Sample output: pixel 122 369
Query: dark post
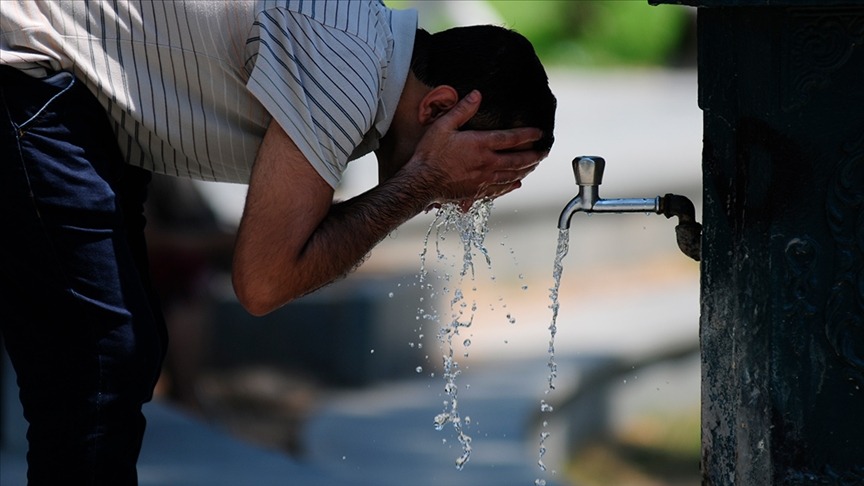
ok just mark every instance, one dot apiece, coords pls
pixel 781 85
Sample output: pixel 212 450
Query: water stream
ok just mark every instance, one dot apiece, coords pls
pixel 557 269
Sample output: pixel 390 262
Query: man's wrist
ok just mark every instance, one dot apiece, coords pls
pixel 421 184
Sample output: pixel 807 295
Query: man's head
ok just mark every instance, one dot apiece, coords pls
pixel 447 65
pixel 499 63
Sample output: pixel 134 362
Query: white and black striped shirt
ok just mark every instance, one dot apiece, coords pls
pixel 191 85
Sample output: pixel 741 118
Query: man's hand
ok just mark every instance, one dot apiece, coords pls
pixel 463 166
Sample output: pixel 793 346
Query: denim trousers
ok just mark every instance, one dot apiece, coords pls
pixel 77 312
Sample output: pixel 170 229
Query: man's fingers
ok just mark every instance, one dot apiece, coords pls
pixel 514 139
pixel 517 161
pixel 498 140
pixel 462 111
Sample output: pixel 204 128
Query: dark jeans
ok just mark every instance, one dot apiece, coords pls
pixel 77 311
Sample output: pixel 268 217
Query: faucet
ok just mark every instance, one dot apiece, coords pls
pixel 589 174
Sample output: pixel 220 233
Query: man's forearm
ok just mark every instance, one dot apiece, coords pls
pixel 353 227
pixel 279 258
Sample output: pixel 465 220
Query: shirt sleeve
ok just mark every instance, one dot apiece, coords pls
pixel 319 82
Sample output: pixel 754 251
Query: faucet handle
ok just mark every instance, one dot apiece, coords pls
pixel 588 170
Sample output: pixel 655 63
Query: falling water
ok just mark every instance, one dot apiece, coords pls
pixel 471 226
pixel 557 270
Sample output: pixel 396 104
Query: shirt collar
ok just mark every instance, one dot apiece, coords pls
pixel 403 24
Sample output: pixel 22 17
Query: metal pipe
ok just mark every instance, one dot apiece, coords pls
pixel 589 175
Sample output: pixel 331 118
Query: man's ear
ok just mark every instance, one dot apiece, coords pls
pixel 438 101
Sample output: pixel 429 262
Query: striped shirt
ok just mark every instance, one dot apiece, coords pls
pixel 191 86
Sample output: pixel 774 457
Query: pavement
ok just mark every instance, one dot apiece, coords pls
pixel 626 294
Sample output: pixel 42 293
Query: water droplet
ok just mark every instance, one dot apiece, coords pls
pixel 539 482
pixel 462 460
pixel 545 407
pixel 440 420
pixel 466 343
pixel 371 351
pixel 419 369
pixel 524 287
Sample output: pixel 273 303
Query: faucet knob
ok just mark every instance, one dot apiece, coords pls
pixel 588 170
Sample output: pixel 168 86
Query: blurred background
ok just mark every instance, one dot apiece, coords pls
pixel 349 380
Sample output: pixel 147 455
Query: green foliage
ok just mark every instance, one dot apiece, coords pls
pixel 632 32
pixel 590 32
pixel 598 32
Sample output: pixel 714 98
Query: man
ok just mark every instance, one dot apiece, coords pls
pixel 276 94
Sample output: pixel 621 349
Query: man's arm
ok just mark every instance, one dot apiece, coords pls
pixel 292 238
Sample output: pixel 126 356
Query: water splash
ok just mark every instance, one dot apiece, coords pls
pixel 472 227
pixel 543 437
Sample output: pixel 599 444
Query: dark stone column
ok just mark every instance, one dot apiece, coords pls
pixel 781 85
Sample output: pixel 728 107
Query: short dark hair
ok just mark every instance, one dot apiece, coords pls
pixel 498 62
